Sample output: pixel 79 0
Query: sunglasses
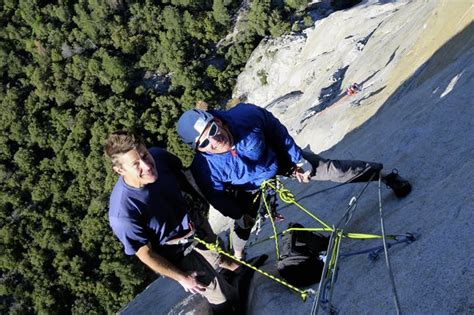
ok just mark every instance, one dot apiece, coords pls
pixel 213 130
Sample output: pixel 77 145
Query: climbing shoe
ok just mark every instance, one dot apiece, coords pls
pixel 400 186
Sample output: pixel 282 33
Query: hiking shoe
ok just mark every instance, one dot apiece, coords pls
pixel 400 186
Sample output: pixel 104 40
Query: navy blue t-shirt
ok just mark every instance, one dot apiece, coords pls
pixel 154 213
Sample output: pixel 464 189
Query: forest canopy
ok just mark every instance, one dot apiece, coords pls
pixel 72 72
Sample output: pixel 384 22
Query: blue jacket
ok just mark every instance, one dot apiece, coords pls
pixel 263 149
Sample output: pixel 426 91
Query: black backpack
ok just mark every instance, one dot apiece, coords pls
pixel 299 262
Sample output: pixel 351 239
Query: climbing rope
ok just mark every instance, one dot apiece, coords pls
pixel 324 286
pixel 387 260
pixel 215 247
pixel 287 197
pixel 275 233
pixel 350 180
pixel 325 272
pixel 353 205
pixel 326 289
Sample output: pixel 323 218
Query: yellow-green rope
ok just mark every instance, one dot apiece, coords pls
pixel 287 197
pixel 303 293
pixel 275 233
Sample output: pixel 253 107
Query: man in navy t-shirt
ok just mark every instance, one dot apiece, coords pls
pixel 150 216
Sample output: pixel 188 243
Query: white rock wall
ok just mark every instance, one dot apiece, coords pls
pixel 307 73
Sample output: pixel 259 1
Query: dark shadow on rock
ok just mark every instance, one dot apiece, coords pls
pixel 368 96
pixel 282 103
pixel 368 78
pixel 329 95
pixel 392 56
pixel 365 40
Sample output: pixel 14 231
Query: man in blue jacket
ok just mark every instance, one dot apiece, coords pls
pixel 151 215
pixel 237 149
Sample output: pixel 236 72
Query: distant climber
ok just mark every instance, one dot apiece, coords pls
pixel 154 212
pixel 237 149
pixel 353 89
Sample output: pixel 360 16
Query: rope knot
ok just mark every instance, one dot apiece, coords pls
pixel 286 195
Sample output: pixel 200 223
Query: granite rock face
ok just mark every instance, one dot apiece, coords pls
pixel 305 74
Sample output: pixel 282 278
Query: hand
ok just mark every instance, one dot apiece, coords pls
pixel 191 284
pixel 301 175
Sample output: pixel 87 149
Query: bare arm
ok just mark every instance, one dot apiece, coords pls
pixel 161 265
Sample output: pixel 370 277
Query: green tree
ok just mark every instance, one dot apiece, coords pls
pixel 219 12
pixel 296 4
